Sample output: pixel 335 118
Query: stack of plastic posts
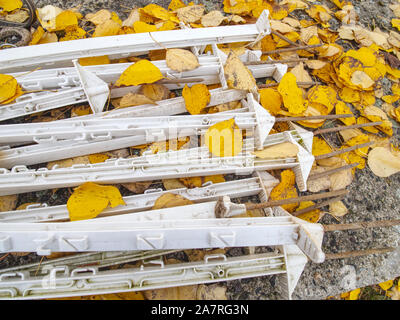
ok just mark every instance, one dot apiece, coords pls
pixel 134 232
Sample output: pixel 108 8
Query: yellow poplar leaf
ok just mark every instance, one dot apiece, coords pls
pixel 10 5
pixel 315 64
pixel 140 27
pixel 107 28
pixel 134 99
pixel 65 19
pixel 8 87
pixel 37 35
pixel 342 179
pixel 90 199
pixel 134 16
pixel 362 120
pixel 155 91
pixel 396 23
pixel 323 95
pixel 286 190
pixel 342 108
pixel 73 33
pixel 175 5
pixel 169 200
pixel 98 157
pixel 363 138
pixel 78 111
pixel 18 15
pixel 237 75
pixel 281 27
pixel 280 43
pixel 320 146
pixel 181 60
pixel 212 19
pixel 316 185
pixel 48 37
pixel 224 139
pixel 278 151
pixel 47 16
pixel 167 25
pixel 312 216
pixel 190 14
pixel 354 294
pixel 216 178
pixel 192 182
pixel 382 162
pixel 8 203
pixel 292 95
pixel 390 98
pixel 92 61
pixel 156 11
pixel 196 98
pixel 386 285
pixel 140 72
pixel 301 74
pixel 115 18
pixel 271 100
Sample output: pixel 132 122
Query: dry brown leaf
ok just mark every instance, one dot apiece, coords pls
pixel 238 76
pixel 155 91
pixel 99 17
pixel 134 16
pixel 68 162
pixel 212 19
pixel 317 185
pixel 169 200
pixel 315 64
pixel 342 179
pixel 211 292
pixel 181 60
pixel 278 151
pixel 382 162
pixel 170 184
pixel 337 209
pixel 137 187
pixel 190 14
pixel 301 74
pixel 281 27
pixel 8 203
pixel 134 99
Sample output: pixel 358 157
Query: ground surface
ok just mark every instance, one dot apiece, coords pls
pixel 371 198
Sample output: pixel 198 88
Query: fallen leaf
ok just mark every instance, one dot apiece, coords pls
pixel 271 100
pixel 10 5
pixel 196 98
pixel 98 157
pixel 99 17
pixel 286 190
pixel 301 74
pixel 140 72
pixel 140 27
pixel 382 162
pixel 107 28
pixel 292 95
pixel 211 292
pixel 92 61
pixel 19 16
pixel 170 184
pixel 320 146
pixel 66 163
pixel 278 151
pixel 224 139
pixel 237 75
pixel 90 199
pixel 190 14
pixel 155 91
pixel 337 209
pixel 8 87
pixel 317 185
pixel 181 60
pixel 386 285
pixel 313 216
pixel 172 293
pixel 137 187
pixel 134 99
pixel 212 19
pixel 169 200
pixel 8 203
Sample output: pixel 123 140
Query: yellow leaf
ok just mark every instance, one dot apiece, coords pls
pixel 386 285
pixel 278 151
pixel 115 18
pixel 169 200
pixel 292 95
pixel 342 108
pixel 99 17
pixel 47 16
pixel 90 199
pixel 382 162
pixel 362 120
pixel 82 110
pixel 361 79
pixel 354 294
pixel 8 87
pixel 224 139
pixel 167 25
pixel 286 190
pixel 237 75
pixel 175 5
pixel 312 216
pixel 271 100
pixel 156 11
pixel 37 35
pixel 192 182
pixel 65 19
pixel 107 28
pixel 98 157
pixel 140 72
pixel 216 178
pixel 73 33
pixel 196 98
pixel 10 5
pixel 140 27
pixel 322 95
pixel 396 23
pixel 170 184
pixel 320 146
pixel 92 61
pixel 301 74
pixel 181 60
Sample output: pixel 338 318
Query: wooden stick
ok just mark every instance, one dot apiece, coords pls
pixel 276 203
pixel 335 153
pixel 354 126
pixel 317 206
pixel 357 253
pixel 183 80
pixel 332 171
pixel 361 225
pixel 252 63
pixel 299 83
pixel 293 49
pixel 321 117
pixel 278 34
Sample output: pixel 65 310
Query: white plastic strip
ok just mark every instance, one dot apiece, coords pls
pixel 63 282
pixel 140 202
pixel 124 234
pixel 61 54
